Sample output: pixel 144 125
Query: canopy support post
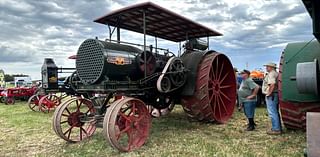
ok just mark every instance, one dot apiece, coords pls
pixel 156 43
pixel 144 44
pixel 179 53
pixel 118 34
pixel 118 29
pixel 187 36
pixel 111 32
pixel 208 42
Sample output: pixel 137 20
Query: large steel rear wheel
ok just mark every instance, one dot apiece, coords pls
pixel 215 93
pixel 127 124
pixel 74 120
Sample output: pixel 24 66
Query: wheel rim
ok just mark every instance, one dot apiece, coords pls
pixel 127 124
pixel 33 102
pixel 74 120
pixel 48 102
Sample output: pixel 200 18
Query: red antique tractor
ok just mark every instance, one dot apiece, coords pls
pixel 116 82
pixel 8 96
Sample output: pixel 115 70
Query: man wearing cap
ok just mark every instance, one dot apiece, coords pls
pixel 247 95
pixel 270 89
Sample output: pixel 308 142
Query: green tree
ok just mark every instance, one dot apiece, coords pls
pixel 8 77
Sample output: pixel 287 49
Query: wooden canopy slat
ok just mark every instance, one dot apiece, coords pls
pixel 160 22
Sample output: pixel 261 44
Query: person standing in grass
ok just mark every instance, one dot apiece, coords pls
pixel 239 79
pixel 247 94
pixel 270 89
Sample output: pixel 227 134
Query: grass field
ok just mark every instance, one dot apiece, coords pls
pixel 27 133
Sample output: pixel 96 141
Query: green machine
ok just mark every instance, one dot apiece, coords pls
pixel 299 75
pixel 299 90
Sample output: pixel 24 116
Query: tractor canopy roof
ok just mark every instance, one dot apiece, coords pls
pixel 159 22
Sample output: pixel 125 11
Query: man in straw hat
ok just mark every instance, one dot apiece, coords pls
pixel 270 89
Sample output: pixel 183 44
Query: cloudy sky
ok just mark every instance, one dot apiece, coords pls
pixel 255 31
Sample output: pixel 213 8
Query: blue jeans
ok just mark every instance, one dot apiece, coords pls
pixel 249 108
pixel 272 102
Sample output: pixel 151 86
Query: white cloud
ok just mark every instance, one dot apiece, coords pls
pixel 254 31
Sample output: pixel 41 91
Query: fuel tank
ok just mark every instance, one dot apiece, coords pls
pixel 100 60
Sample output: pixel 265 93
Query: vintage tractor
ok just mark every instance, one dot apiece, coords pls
pixel 9 95
pixel 299 76
pixel 299 83
pixel 52 89
pixel 117 81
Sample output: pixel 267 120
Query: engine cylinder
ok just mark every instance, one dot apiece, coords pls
pixel 99 60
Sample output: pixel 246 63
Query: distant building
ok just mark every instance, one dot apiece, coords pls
pixel 22 81
pixel 2 82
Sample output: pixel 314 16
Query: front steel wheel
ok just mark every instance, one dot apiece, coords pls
pixel 127 124
pixel 74 120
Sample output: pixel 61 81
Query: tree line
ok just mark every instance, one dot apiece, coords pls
pixel 8 77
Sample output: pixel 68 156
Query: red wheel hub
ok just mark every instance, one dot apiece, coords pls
pixel 74 119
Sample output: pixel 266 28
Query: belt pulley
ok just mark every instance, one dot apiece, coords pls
pixel 173 76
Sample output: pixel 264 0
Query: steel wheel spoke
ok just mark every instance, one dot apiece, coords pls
pixel 224 95
pixel 225 86
pixel 63 122
pixel 218 103
pixel 133 108
pixel 221 70
pixel 78 106
pixel 66 115
pixel 211 97
pixel 124 110
pixel 130 140
pixel 224 77
pixel 214 104
pixel 83 130
pixel 68 131
pixel 217 65
pixel 122 131
pixel 224 106
pixel 88 111
pixel 213 77
pixel 124 116
pixel 80 134
pixel 140 118
pixel 68 111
